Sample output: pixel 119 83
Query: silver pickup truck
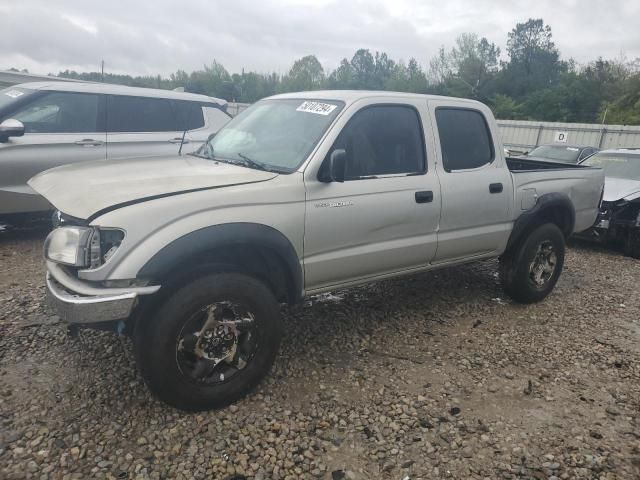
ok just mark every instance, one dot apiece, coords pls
pixel 302 193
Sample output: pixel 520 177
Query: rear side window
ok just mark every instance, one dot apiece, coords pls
pixel 383 140
pixel 189 115
pixel 464 138
pixel 139 114
pixel 60 112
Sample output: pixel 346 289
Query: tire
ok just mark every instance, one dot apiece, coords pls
pixel 632 243
pixel 167 365
pixel 518 280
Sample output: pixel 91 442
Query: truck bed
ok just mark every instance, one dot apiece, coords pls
pixel 534 178
pixel 523 164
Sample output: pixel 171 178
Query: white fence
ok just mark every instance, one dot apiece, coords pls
pixel 524 135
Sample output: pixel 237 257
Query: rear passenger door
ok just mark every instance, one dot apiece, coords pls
pixel 142 127
pixel 475 182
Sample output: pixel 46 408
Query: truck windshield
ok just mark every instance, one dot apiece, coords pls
pixel 556 153
pixel 11 95
pixel 275 135
pixel 616 165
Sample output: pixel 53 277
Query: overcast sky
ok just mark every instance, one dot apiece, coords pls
pixel 162 36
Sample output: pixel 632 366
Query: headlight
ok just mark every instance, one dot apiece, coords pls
pixel 68 245
pixel 82 246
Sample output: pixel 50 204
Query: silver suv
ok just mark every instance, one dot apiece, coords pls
pixel 43 125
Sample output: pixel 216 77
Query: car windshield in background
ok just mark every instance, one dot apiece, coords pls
pixel 616 165
pixel 556 153
pixel 11 95
pixel 275 135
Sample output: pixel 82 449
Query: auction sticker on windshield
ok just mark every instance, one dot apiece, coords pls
pixel 14 93
pixel 316 107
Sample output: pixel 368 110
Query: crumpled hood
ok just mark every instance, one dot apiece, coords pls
pixel 82 190
pixel 619 188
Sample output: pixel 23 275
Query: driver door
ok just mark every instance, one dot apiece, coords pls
pixel 384 217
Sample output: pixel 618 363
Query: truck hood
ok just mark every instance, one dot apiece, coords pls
pixel 82 190
pixel 618 188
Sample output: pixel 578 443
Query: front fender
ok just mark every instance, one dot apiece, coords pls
pixel 216 237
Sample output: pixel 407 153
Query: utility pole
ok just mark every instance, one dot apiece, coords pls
pixel 102 72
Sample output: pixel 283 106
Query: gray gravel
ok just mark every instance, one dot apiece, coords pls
pixel 433 376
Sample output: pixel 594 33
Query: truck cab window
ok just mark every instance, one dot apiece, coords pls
pixel 464 139
pixel 383 140
pixel 58 112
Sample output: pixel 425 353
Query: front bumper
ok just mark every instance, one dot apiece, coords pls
pixel 86 304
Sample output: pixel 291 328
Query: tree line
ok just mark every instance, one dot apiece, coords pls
pixel 533 83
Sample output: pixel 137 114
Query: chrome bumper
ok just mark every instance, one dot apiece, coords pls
pixel 90 305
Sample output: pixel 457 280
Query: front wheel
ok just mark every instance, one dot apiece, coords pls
pixel 531 269
pixel 210 343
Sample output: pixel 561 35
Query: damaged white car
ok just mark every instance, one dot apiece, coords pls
pixel 619 217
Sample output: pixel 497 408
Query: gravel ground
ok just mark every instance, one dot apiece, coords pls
pixel 432 376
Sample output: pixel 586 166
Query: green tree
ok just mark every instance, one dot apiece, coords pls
pixel 383 70
pixel 474 61
pixel 533 84
pixel 342 77
pixel 534 61
pixel 407 78
pixel 364 69
pixel 625 110
pixel 504 107
pixel 440 67
pixel 305 74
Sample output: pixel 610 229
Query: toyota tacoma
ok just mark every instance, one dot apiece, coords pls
pixel 301 193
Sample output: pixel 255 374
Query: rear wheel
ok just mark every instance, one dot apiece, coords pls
pixel 632 243
pixel 530 270
pixel 210 343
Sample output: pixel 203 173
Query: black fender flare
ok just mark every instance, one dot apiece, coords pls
pixel 554 204
pixel 227 235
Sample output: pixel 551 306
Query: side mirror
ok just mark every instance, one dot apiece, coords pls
pixel 11 128
pixel 334 169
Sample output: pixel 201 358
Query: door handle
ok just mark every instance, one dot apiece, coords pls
pixel 179 140
pixel 495 188
pixel 89 142
pixel 425 196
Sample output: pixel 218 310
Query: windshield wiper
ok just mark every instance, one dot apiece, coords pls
pixel 250 162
